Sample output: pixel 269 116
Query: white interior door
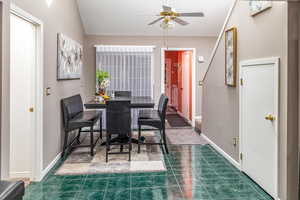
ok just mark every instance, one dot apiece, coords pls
pixel 186 65
pixel 23 61
pixel 259 119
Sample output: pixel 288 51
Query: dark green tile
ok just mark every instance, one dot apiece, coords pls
pixel 59 196
pixel 221 192
pixel 163 193
pixel 54 180
pixel 90 195
pixel 96 176
pixel 142 182
pixel 95 185
pixel 164 181
pixel 117 194
pixel 195 193
pixel 119 183
pixel 203 175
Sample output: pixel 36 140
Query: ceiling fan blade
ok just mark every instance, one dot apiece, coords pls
pixel 167 8
pixel 195 14
pixel 180 21
pixel 155 21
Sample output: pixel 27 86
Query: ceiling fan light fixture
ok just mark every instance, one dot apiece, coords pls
pixel 49 2
pixel 167 25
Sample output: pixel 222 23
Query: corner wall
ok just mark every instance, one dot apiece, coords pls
pixel 264 35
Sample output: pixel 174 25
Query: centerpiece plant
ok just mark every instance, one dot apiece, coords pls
pixel 103 82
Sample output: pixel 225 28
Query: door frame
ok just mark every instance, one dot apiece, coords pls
pixel 37 136
pixel 162 80
pixel 262 61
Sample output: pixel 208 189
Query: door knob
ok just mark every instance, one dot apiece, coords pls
pixel 31 109
pixel 270 117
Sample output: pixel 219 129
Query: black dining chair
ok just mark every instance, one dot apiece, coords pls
pixel 122 93
pixel 74 118
pixel 156 119
pixel 118 123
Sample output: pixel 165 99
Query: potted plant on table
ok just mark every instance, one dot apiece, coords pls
pixel 102 83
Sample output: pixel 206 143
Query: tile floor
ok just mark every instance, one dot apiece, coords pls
pixel 194 172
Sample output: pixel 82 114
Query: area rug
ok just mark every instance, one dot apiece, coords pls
pixel 80 162
pixel 175 120
pixel 184 136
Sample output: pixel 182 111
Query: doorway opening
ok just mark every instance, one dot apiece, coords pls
pixel 26 96
pixel 178 86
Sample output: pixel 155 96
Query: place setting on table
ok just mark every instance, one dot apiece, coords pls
pixel 127 144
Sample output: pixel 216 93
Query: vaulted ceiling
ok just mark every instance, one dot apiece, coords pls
pixel 130 17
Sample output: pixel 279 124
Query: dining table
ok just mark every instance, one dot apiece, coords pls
pixel 135 102
pixel 139 102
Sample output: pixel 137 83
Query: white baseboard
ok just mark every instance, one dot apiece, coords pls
pixel 198 117
pixel 26 174
pixel 217 148
pixel 50 166
pixel 187 120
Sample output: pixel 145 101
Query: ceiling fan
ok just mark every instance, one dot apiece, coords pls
pixel 169 14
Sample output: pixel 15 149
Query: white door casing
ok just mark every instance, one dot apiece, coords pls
pixel 186 58
pixel 168 82
pixel 258 131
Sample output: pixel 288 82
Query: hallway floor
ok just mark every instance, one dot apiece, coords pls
pixel 194 172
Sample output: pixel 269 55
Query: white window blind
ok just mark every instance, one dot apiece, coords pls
pixel 130 69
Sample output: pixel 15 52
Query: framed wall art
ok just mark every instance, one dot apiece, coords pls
pixel 69 58
pixel 230 57
pixel 257 7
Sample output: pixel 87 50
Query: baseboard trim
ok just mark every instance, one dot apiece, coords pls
pixel 217 148
pixel 185 119
pixel 50 166
pixel 25 174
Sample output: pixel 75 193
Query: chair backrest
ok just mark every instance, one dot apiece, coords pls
pixel 162 106
pixel 122 93
pixel 71 106
pixel 118 117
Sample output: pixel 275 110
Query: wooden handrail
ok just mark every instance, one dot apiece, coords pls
pixel 218 41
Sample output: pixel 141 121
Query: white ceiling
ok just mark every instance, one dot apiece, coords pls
pixel 130 17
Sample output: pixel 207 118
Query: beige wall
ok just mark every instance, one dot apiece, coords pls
pixel 203 45
pixel 60 17
pixel 258 37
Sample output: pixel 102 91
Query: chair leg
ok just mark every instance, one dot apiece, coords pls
pixel 129 159
pixel 165 140
pixel 139 140
pixel 130 145
pixel 92 140
pixel 100 127
pixel 78 136
pixel 107 145
pixel 65 143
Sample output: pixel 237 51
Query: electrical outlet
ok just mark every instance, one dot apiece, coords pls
pixel 235 141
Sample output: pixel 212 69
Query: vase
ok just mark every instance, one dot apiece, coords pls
pixel 101 91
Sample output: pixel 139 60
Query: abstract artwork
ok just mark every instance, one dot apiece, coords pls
pixel 69 57
pixel 230 57
pixel 257 7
